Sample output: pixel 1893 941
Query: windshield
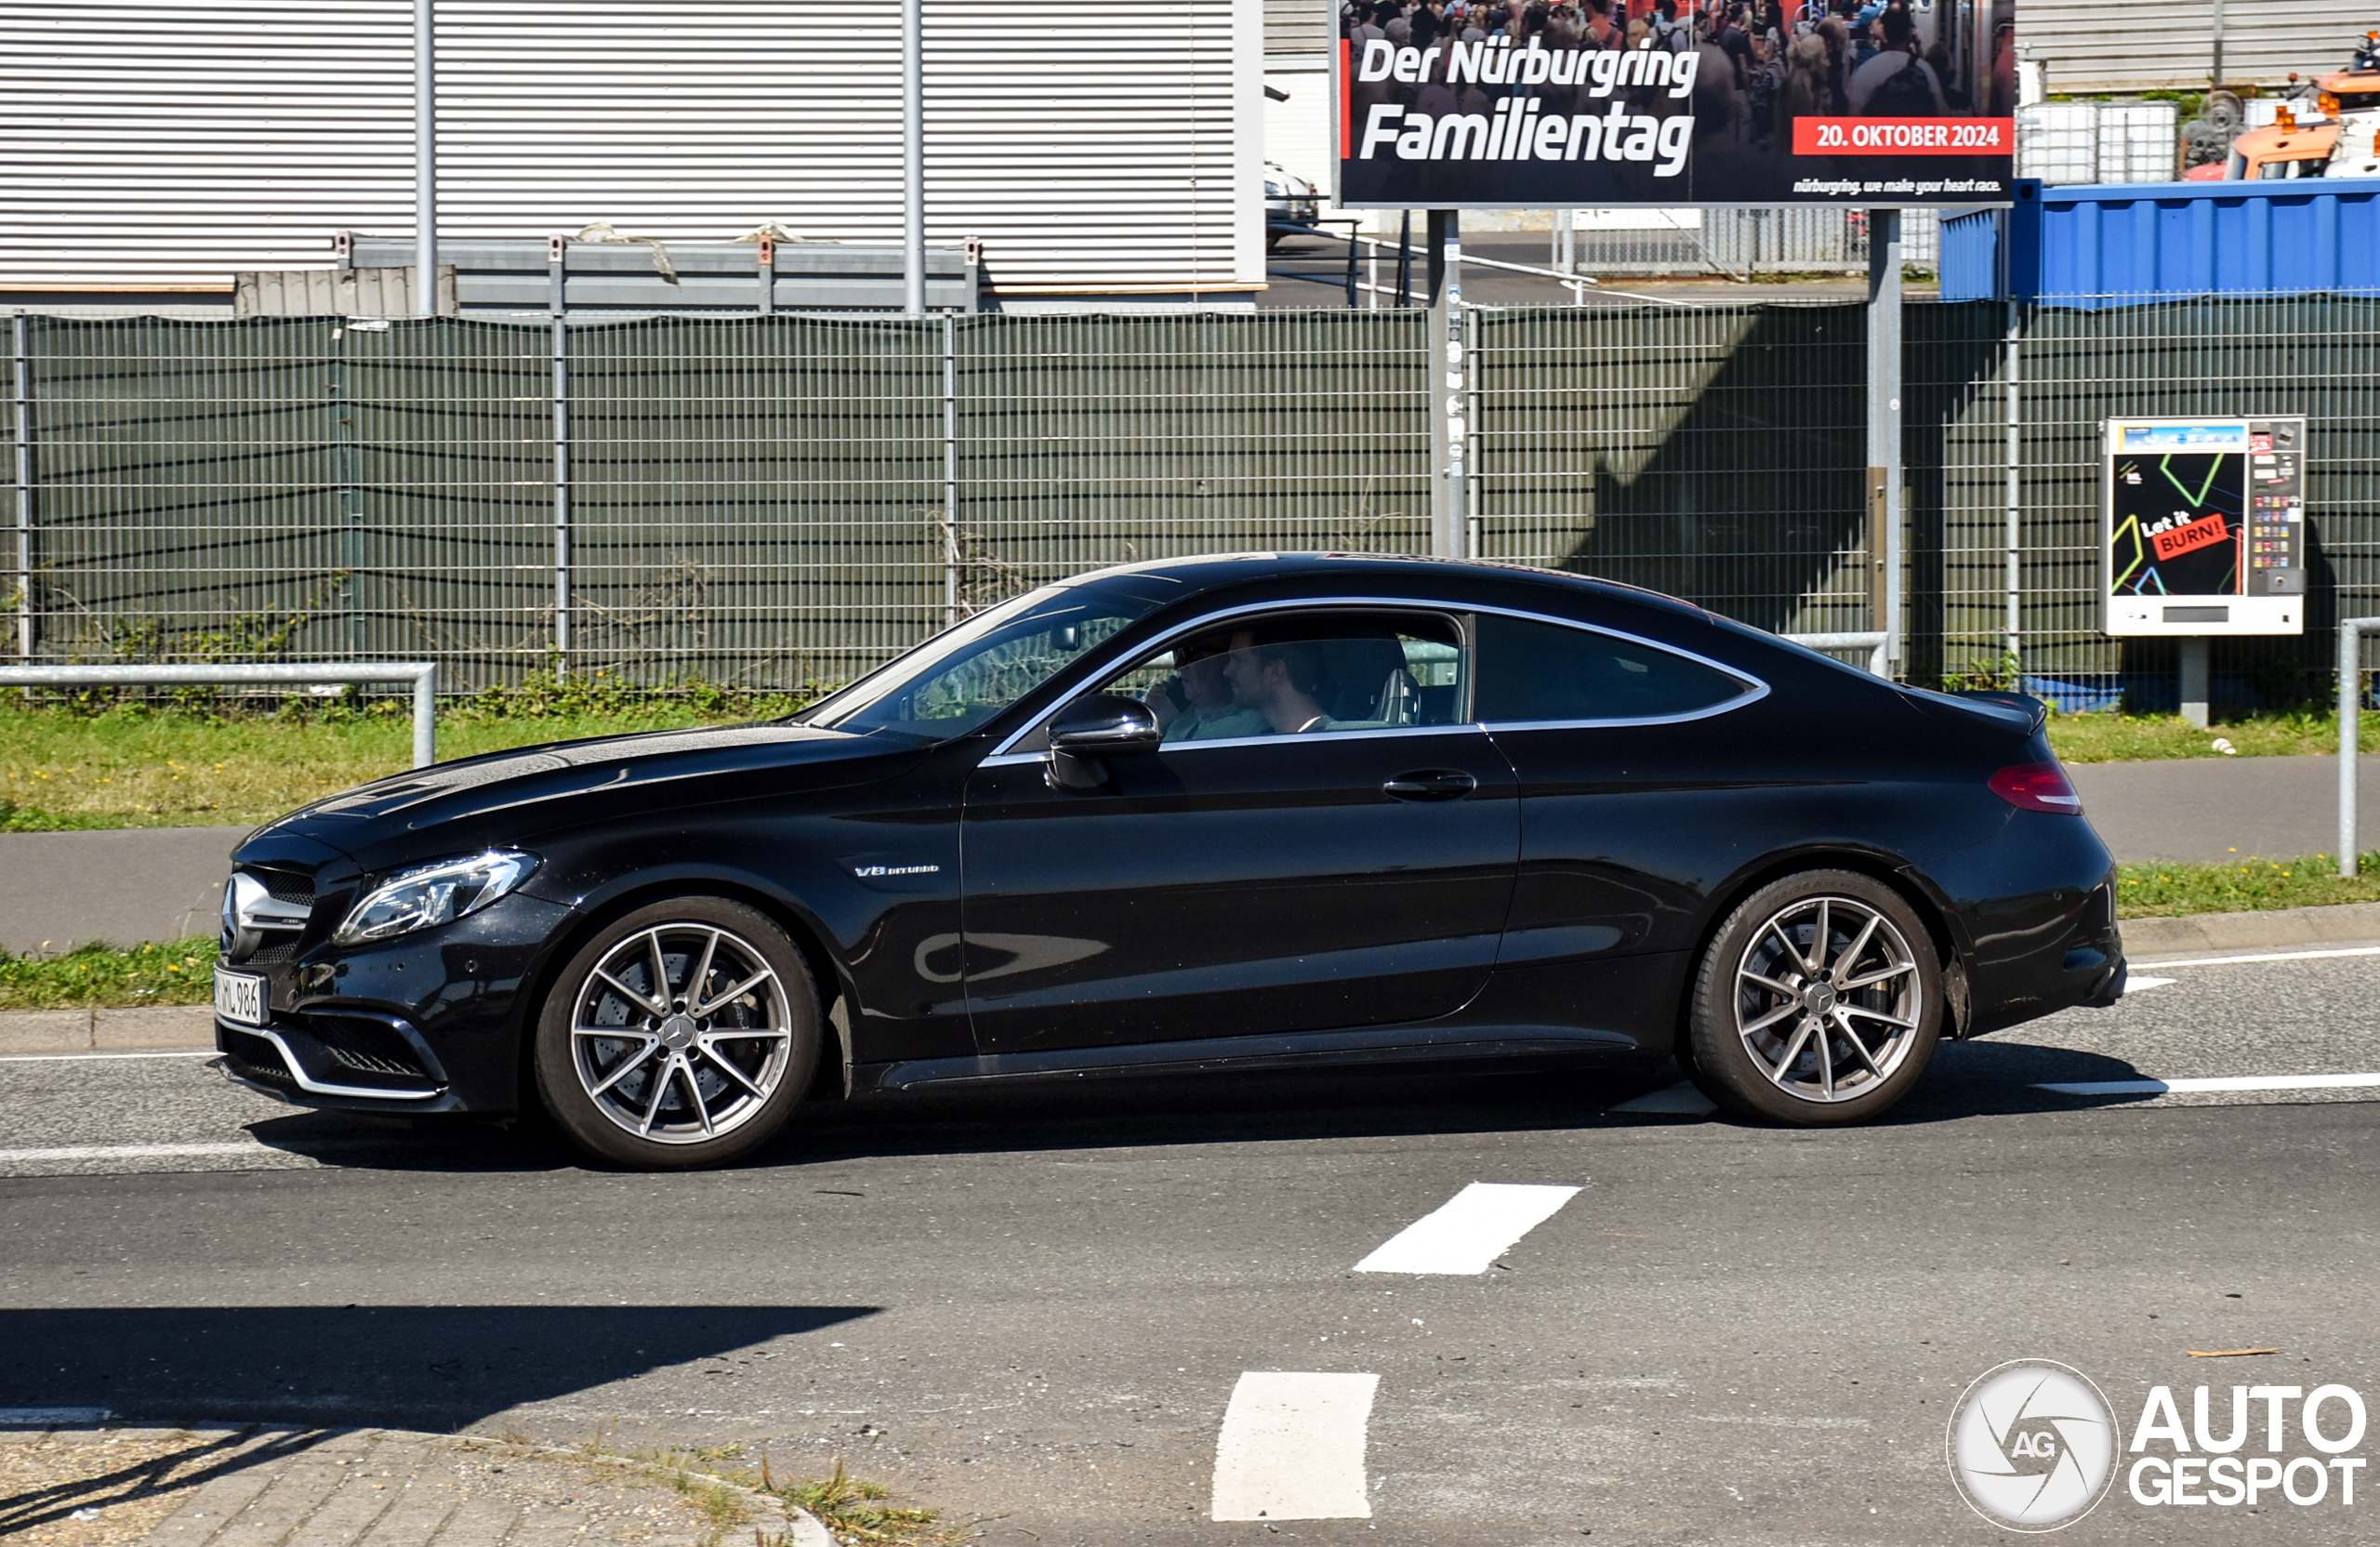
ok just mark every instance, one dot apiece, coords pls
pixel 958 681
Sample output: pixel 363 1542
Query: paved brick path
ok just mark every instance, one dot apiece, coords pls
pixel 356 1487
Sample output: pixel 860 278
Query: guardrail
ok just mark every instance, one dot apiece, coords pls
pixel 423 674
pixel 1874 643
pixel 2351 632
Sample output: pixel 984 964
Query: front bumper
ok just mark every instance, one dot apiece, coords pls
pixel 430 1021
pixel 345 1058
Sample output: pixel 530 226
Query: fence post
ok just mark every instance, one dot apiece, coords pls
pixel 950 557
pixel 2351 632
pixel 2015 535
pixel 350 492
pixel 1447 427
pixel 21 346
pixel 425 715
pixel 556 257
pixel 1884 423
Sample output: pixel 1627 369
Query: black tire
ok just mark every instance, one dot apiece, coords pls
pixel 707 1088
pixel 1753 1027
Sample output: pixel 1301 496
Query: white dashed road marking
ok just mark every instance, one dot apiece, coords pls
pixel 1292 1448
pixel 2134 985
pixel 2218 1083
pixel 2270 955
pixel 1470 1231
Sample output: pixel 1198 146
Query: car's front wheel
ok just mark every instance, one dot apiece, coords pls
pixel 1818 1003
pixel 680 1036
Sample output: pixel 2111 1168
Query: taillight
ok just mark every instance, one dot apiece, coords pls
pixel 2037 786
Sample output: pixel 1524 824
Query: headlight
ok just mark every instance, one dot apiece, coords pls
pixel 434 895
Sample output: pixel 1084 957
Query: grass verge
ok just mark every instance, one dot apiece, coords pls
pixel 2163 891
pixel 101 977
pixel 2146 737
pixel 202 761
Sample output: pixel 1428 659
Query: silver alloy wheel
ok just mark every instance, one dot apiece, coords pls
pixel 681 1033
pixel 1826 999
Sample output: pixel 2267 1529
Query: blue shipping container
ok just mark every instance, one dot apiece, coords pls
pixel 2127 243
pixel 1971 256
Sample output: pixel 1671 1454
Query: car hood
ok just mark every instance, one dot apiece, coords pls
pixel 677 767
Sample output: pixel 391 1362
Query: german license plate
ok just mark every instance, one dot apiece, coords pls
pixel 239 997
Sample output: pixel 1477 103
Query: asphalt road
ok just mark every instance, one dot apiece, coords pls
pixel 1034 1307
pixel 2211 808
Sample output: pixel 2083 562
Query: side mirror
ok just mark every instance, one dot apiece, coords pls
pixel 1094 728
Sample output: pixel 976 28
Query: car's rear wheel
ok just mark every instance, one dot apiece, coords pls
pixel 1818 1003
pixel 680 1035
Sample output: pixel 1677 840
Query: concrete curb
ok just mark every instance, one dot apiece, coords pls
pixel 174 1025
pixel 2340 924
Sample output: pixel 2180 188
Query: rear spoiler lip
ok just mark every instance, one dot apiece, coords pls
pixel 2033 707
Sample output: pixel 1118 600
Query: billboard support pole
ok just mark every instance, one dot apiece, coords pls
pixel 2194 675
pixel 425 160
pixel 913 158
pixel 1883 426
pixel 1444 279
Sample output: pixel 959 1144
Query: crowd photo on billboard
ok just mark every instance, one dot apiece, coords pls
pixel 1589 103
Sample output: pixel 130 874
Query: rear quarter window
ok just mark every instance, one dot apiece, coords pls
pixel 1529 670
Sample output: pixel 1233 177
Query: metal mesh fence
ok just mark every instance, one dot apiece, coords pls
pixel 1739 243
pixel 780 501
pixel 1714 453
pixel 2223 357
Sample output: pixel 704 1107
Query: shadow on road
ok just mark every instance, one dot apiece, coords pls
pixel 424 1366
pixel 1968 1079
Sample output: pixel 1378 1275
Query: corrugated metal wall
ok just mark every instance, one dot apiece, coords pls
pixel 1298 27
pixel 172 144
pixel 2139 44
pixel 179 144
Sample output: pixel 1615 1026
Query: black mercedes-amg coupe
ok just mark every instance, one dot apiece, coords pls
pixel 1258 811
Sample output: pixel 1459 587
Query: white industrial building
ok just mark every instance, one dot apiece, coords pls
pixel 1098 157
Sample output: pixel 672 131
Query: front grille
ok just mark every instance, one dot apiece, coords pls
pixel 287 887
pixel 278 947
pixel 366 1046
pixel 253 1058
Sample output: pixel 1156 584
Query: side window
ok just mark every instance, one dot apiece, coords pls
pixel 1303 673
pixel 1530 670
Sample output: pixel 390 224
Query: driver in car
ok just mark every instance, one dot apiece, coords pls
pixel 1195 703
pixel 1278 676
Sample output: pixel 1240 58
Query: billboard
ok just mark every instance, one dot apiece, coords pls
pixel 1499 106
pixel 2204 524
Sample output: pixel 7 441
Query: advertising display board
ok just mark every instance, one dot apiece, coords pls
pixel 2204 524
pixel 1492 106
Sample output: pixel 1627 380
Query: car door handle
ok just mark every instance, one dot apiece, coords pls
pixel 1434 784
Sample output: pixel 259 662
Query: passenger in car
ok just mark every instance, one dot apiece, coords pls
pixel 1195 703
pixel 1277 676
